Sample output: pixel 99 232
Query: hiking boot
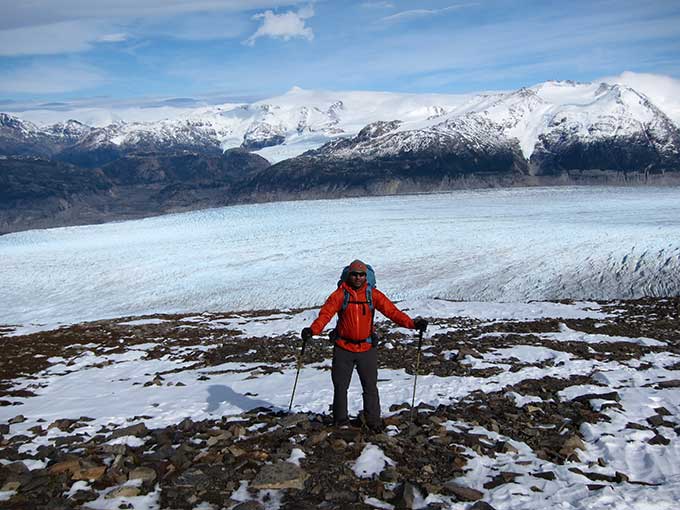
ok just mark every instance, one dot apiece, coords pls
pixel 375 428
pixel 341 424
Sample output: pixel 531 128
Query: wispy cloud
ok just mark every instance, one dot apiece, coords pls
pixel 284 26
pixel 113 38
pixel 530 42
pixel 422 13
pixel 51 79
pixel 53 39
pixel 377 5
pixel 188 47
pixel 70 26
pixel 31 13
pixel 196 27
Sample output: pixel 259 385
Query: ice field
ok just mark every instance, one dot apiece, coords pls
pixel 511 245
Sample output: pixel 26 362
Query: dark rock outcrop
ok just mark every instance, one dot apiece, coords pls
pixel 41 193
pixel 40 185
pixel 383 160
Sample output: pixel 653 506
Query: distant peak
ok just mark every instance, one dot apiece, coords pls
pixel 558 83
pixel 524 92
pixel 295 90
pixel 603 88
pixel 570 83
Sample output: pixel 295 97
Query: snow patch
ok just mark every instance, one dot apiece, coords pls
pixel 371 462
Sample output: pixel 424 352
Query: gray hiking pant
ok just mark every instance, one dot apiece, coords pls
pixel 341 373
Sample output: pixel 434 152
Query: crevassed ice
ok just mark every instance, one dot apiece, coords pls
pixel 485 245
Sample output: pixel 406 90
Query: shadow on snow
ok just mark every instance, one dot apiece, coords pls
pixel 219 394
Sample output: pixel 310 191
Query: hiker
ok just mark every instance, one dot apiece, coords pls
pixel 355 340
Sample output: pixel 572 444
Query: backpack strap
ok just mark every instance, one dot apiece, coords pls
pixel 369 297
pixel 345 301
pixel 369 300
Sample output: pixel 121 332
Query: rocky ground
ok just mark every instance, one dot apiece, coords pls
pixel 520 444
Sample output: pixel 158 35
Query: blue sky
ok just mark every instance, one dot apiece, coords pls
pixel 214 50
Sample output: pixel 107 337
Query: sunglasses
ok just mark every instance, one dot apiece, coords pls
pixel 357 274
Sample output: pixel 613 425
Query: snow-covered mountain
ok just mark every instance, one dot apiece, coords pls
pixel 614 127
pixel 395 157
pixel 390 139
pixel 19 137
pixel 300 120
pixel 308 144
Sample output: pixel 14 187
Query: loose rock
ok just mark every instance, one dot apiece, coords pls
pixel 282 475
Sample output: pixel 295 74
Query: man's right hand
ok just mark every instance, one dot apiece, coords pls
pixel 420 324
pixel 306 334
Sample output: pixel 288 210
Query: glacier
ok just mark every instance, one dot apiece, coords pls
pixel 475 245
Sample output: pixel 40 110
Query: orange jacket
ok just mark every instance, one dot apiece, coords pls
pixel 356 323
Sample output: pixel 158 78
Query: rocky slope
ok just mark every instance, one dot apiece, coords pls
pixel 41 193
pixel 581 425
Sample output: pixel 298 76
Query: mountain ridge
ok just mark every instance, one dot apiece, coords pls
pixel 290 119
pixel 334 144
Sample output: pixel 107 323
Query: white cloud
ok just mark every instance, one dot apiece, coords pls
pixel 663 91
pixel 664 88
pixel 283 26
pixel 51 79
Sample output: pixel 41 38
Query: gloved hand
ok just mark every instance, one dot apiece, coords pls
pixel 420 324
pixel 306 334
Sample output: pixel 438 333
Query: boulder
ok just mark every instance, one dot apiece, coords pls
pixel 249 505
pixel 481 505
pixel 282 475
pixel 408 494
pixel 93 473
pixel 64 424
pixel 145 474
pixel 660 440
pixel 123 492
pixel 570 445
pixel 138 430
pixel 294 419
pixel 461 492
pixel 66 466
pixel 17 419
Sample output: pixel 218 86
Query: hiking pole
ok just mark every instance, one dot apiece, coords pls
pixel 299 366
pixel 415 379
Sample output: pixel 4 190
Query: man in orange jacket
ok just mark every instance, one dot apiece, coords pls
pixel 354 341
